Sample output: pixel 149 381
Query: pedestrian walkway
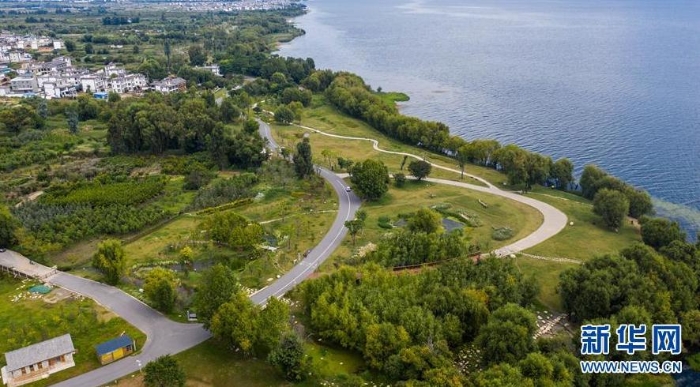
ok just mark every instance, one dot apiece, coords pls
pixel 20 266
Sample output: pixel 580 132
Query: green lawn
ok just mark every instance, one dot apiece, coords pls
pixel 324 117
pixel 28 321
pixel 298 219
pixel 211 365
pixel 587 237
pixel 358 150
pixel 547 275
pixel 499 213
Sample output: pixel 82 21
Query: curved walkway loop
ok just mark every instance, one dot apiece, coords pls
pixel 553 219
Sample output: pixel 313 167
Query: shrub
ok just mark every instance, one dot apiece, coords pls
pixel 502 233
pixel 385 222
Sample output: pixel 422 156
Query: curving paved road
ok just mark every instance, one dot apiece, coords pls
pixel 165 336
pixel 168 337
pixel 553 219
pixel 348 204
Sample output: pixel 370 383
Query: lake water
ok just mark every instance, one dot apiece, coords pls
pixel 610 82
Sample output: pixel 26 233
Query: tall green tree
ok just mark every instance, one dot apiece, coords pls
pixel 538 169
pixel 640 202
pixel 234 323
pixel 110 259
pixel 284 115
pixel 563 172
pixel 72 120
pixel 290 357
pixel 425 220
pixel 590 179
pixel 420 169
pixel 371 179
pixel 355 226
pixel 164 372
pixel 166 51
pixel 197 54
pixel 160 287
pixel 507 337
pixel 303 159
pixel 463 157
pixel 612 206
pixel 8 228
pixel 271 323
pixel 659 232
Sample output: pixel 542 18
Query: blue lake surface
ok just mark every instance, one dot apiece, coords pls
pixel 614 83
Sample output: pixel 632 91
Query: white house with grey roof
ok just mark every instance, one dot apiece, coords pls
pixel 38 361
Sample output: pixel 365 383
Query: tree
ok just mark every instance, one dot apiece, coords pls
pixel 354 227
pixel 537 168
pixel 537 367
pixel 612 206
pixel 425 220
pixel 297 108
pixel 371 179
pixel 8 228
pixel 399 179
pixel 160 288
pixel 166 51
pixel 110 260
pixel 113 97
pixel 303 162
pixel 691 327
pixel 640 202
pixel 284 115
pixel 70 45
pixel 72 120
pixel 229 111
pixel 507 337
pixel 660 232
pixel 271 323
pixel 563 172
pixel 240 324
pixel 345 164
pixel 419 169
pixel 20 117
pixel 290 358
pixel 462 158
pixel 164 372
pixel 89 49
pixel 589 180
pixel 250 126
pixel 197 54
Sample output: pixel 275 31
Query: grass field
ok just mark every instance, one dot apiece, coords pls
pixel 25 321
pixel 547 275
pixel 588 237
pixel 211 365
pixel 324 117
pixel 500 212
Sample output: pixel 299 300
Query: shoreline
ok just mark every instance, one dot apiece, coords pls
pixel 687 216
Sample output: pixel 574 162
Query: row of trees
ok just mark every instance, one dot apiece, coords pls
pixel 407 326
pixel 234 321
pixel 613 199
pixel 189 123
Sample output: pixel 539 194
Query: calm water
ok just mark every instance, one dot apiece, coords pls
pixel 613 82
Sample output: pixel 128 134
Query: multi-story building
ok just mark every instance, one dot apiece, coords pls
pixel 170 84
pixel 24 83
pixel 128 83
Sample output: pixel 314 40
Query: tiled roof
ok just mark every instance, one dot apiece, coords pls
pixel 36 353
pixel 110 346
